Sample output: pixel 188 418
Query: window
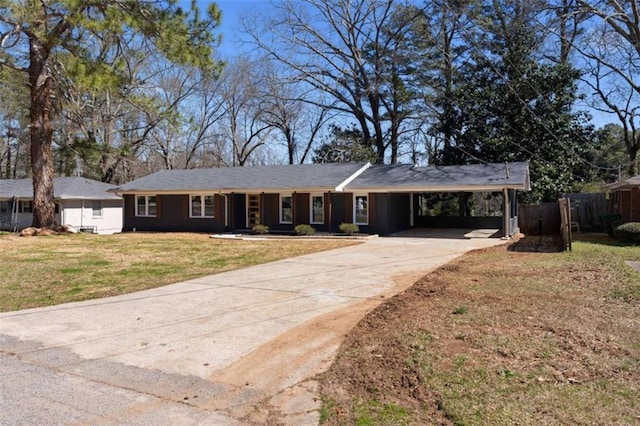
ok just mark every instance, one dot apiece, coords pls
pixel 146 205
pixel 317 209
pixel 96 208
pixel 286 209
pixel 361 209
pixel 201 206
pixel 25 207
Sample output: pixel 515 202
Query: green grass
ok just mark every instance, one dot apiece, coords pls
pixel 373 413
pixel 42 271
pixel 511 338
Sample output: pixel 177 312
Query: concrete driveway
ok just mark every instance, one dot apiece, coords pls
pixel 234 348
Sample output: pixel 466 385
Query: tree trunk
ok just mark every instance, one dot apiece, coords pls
pixel 41 136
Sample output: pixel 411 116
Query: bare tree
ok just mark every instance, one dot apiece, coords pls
pixel 343 48
pixel 611 49
pixel 193 107
pixel 294 112
pixel 36 37
pixel 240 99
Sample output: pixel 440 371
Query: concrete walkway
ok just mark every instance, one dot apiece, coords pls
pixel 234 348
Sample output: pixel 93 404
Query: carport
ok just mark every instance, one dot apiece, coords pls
pixel 404 195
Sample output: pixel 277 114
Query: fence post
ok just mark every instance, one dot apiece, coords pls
pixel 565 222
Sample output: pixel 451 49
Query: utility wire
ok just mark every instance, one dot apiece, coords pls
pixel 525 104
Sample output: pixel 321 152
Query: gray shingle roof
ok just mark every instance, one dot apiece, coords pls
pixel 64 188
pixel 625 183
pixel 473 176
pixel 290 177
pixel 330 176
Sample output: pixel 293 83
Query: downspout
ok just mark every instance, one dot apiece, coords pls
pixel 82 215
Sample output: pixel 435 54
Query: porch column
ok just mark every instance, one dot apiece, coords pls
pixel 330 227
pixel 411 210
pixel 506 217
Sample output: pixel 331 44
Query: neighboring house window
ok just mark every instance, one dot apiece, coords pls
pixel 96 208
pixel 317 209
pixel 286 209
pixel 361 209
pixel 146 205
pixel 201 206
pixel 25 207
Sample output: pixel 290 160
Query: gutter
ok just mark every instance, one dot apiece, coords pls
pixel 485 188
pixel 223 191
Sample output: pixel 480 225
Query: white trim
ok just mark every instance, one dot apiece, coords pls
pixel 347 181
pixel 356 195
pixel 506 213
pixel 400 189
pixel 202 206
pixel 280 197
pixel 311 221
pixel 146 206
pixel 101 213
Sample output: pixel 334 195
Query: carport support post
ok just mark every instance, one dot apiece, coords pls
pixel 411 210
pixel 506 218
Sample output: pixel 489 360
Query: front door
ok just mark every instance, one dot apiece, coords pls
pixel 253 210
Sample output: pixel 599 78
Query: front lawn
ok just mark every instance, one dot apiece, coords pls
pixel 500 336
pixel 42 271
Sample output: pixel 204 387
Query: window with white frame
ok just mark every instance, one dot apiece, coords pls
pixel 201 206
pixel 96 208
pixel 286 209
pixel 361 209
pixel 146 205
pixel 317 209
pixel 25 206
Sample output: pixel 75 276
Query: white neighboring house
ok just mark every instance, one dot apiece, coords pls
pixel 83 203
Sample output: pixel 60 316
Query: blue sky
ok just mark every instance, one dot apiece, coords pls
pixel 231 12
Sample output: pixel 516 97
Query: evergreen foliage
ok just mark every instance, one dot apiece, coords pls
pixel 90 45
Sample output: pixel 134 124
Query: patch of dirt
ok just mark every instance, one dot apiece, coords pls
pixel 503 323
pixel 280 370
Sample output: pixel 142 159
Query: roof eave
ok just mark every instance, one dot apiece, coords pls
pixel 222 191
pixel 457 188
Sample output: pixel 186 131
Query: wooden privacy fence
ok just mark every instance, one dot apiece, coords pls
pixel 587 211
pixel 539 219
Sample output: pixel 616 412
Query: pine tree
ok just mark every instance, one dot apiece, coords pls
pixel 86 41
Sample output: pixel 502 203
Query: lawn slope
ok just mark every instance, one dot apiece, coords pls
pixel 500 336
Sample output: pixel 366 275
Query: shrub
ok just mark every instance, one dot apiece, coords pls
pixel 260 229
pixel 609 222
pixel 305 229
pixel 628 232
pixel 349 228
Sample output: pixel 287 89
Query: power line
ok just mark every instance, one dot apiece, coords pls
pixel 478 49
